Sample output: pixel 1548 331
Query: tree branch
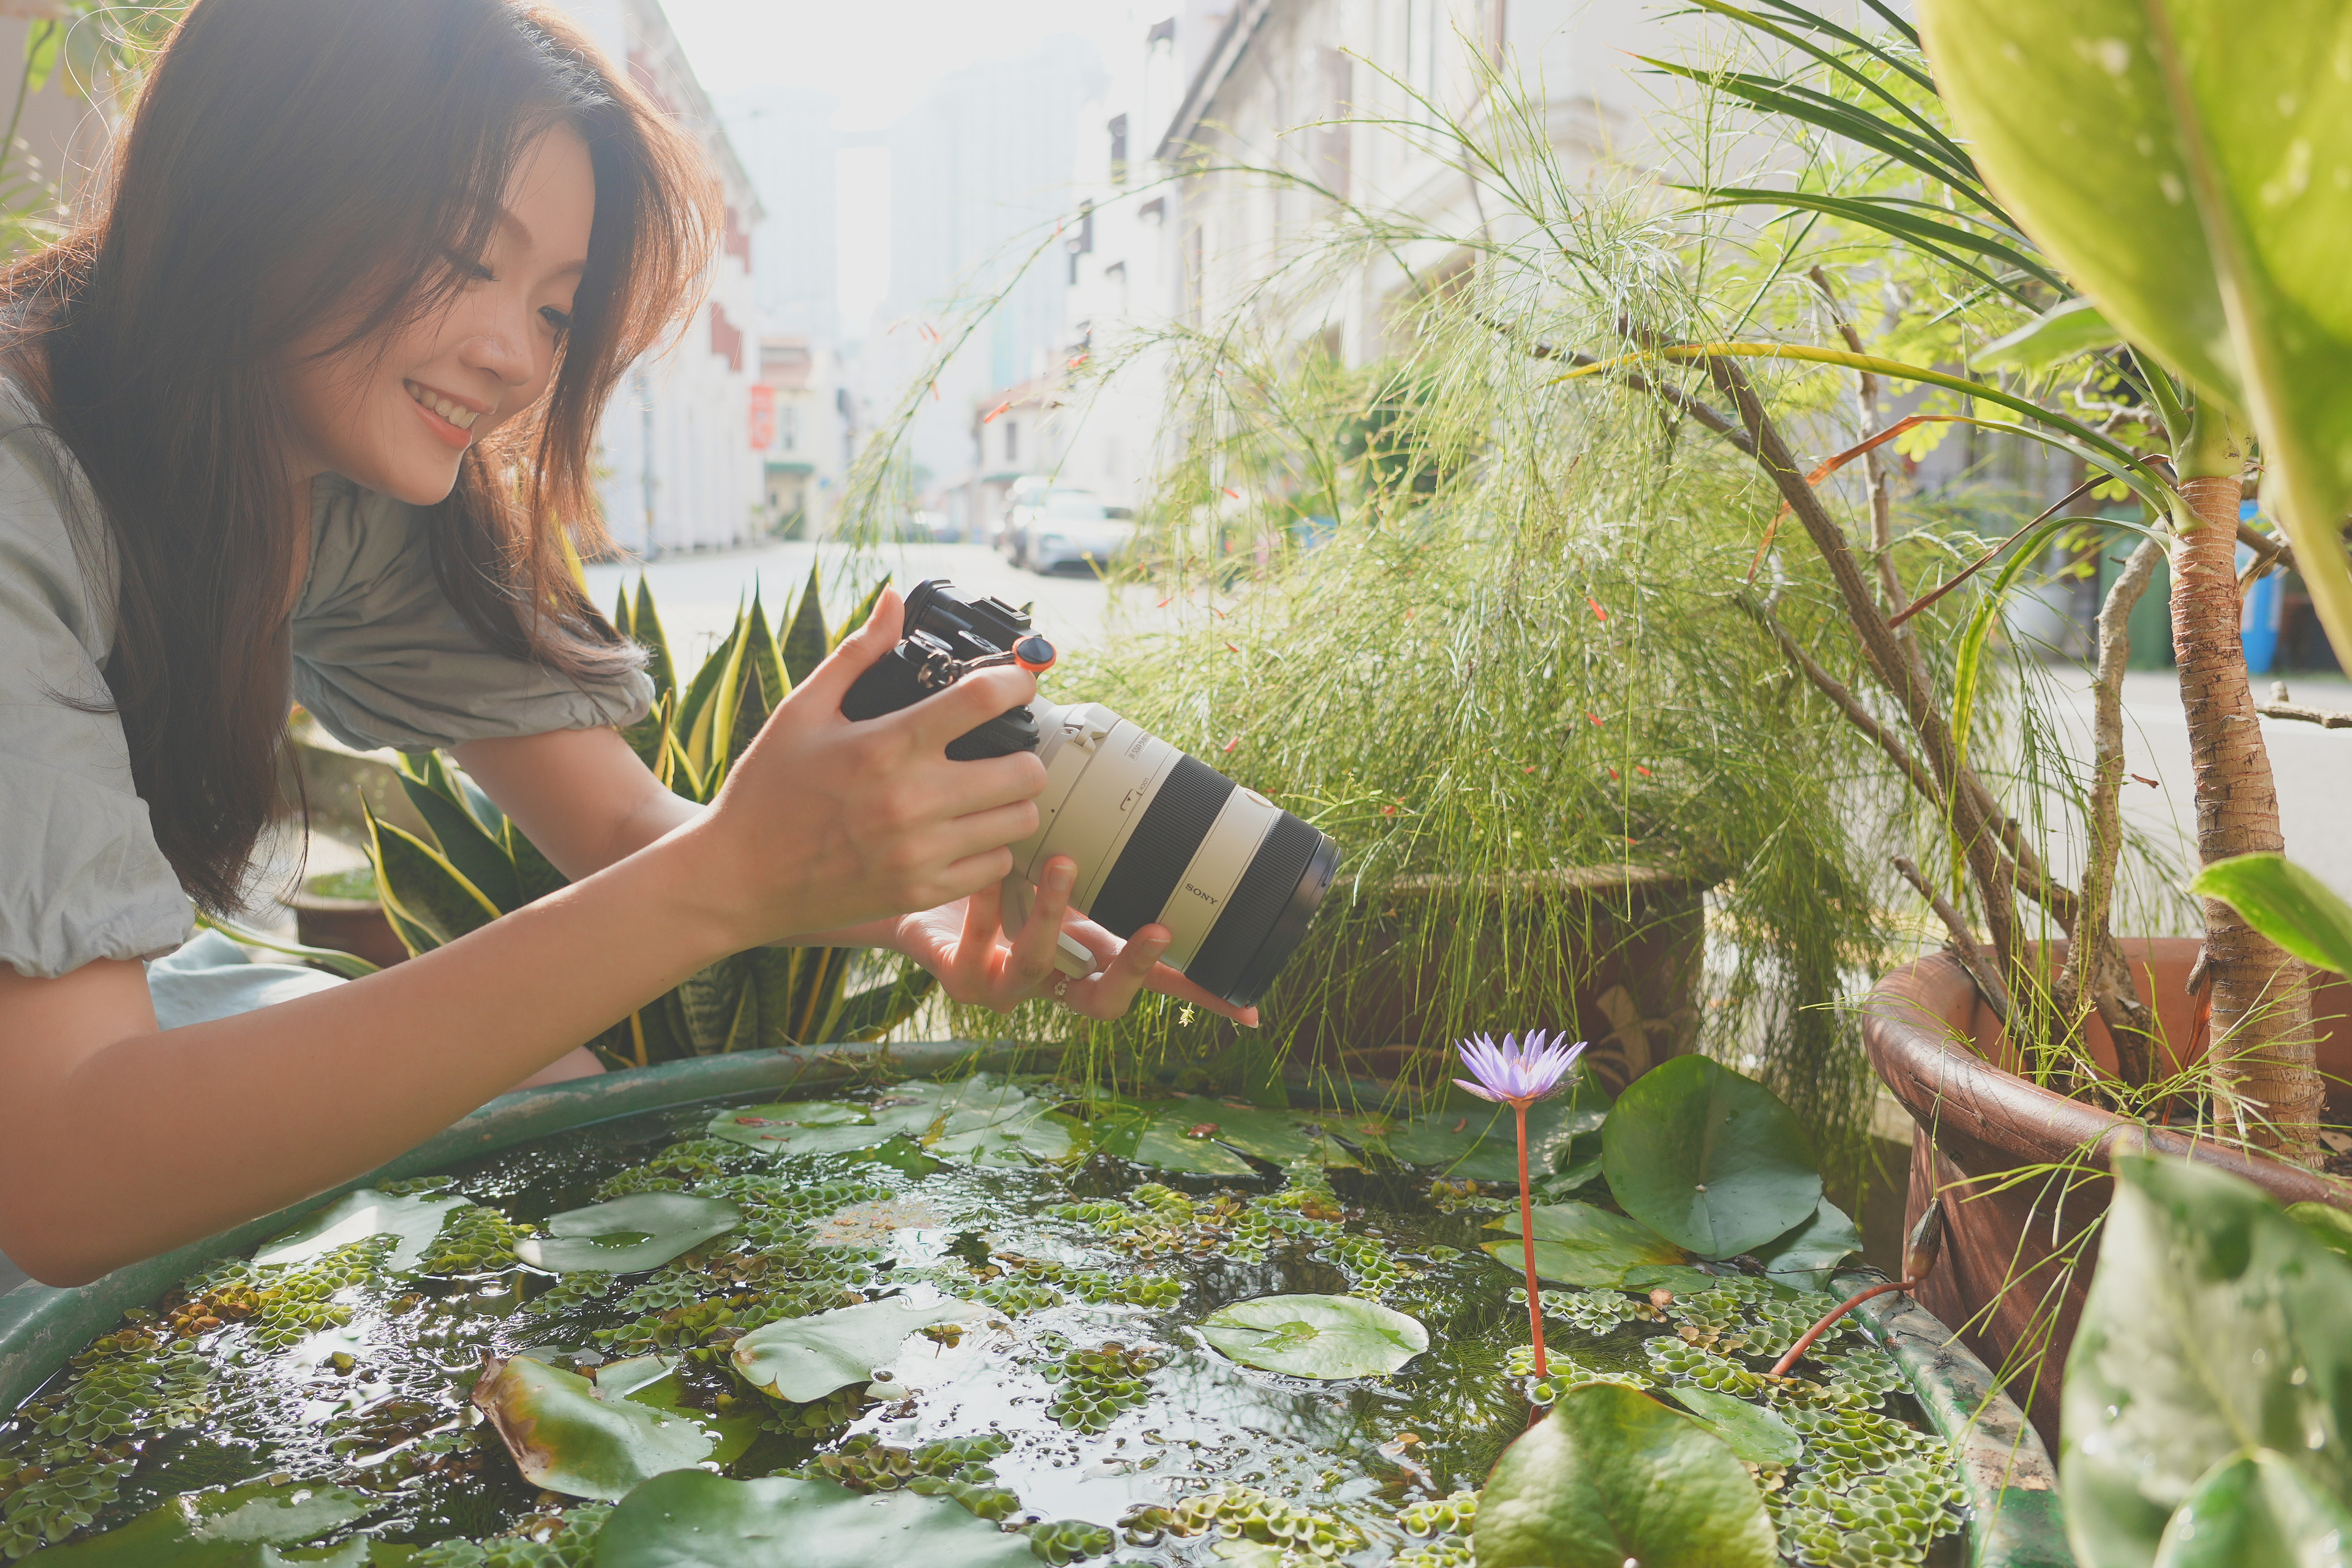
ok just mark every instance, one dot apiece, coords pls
pixel 1847 702
pixel 1963 941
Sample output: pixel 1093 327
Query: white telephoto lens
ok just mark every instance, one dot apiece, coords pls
pixel 1161 837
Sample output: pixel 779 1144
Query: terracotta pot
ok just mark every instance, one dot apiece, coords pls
pixel 2004 1278
pixel 1625 942
pixel 347 925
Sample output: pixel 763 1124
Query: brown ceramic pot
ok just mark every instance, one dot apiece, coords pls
pixel 1625 942
pixel 2004 1278
pixel 347 925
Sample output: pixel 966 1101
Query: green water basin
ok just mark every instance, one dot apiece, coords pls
pixel 1354 1450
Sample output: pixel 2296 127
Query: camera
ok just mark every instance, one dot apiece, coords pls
pixel 1158 835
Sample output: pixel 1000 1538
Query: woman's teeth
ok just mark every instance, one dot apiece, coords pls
pixel 457 414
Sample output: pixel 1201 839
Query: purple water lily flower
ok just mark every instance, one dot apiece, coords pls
pixel 1517 1075
pixel 1513 1074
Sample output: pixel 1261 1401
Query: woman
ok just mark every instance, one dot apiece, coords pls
pixel 316 386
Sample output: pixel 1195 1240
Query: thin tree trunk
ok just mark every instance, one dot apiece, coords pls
pixel 2262 1039
pixel 2096 978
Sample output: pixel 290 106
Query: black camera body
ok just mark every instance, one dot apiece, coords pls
pixel 947 633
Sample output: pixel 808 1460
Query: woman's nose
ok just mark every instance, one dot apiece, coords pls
pixel 501 345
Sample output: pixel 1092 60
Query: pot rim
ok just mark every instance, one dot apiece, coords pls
pixel 1916 1027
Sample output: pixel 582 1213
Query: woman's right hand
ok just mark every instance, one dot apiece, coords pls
pixel 825 822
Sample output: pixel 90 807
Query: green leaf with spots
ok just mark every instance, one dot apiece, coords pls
pixel 2256 1510
pixel 1576 1244
pixel 2186 163
pixel 2215 1324
pixel 565 1438
pixel 690 1518
pixel 1756 1435
pixel 1316 1336
pixel 235 1527
pixel 652 1380
pixel 643 1230
pixel 1711 1161
pixel 805 1359
pixel 1610 1477
pixel 357 1216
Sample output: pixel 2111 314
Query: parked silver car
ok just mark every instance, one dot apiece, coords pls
pixel 1073 530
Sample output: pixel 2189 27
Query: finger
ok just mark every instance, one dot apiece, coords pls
pixel 1168 983
pixel 981 912
pixel 1111 993
pixel 958 789
pixel 1032 956
pixel 993 829
pixel 973 700
pixel 831 680
pixel 962 878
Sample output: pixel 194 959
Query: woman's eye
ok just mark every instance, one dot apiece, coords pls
pixel 474 271
pixel 559 319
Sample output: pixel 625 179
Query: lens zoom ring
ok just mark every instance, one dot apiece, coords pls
pixel 1258 900
pixel 1162 846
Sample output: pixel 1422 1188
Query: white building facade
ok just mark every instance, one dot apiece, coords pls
pixel 676 468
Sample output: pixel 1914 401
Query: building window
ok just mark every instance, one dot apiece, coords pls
pixel 788 427
pixel 1119 150
pixel 1012 441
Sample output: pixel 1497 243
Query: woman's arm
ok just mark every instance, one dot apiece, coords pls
pixel 119 1140
pixel 586 800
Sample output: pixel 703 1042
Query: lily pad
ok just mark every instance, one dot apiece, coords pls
pixel 1576 1244
pixel 1316 1336
pixel 805 1359
pixel 1166 1141
pixel 565 1438
pixel 643 1230
pixel 690 1519
pixel 1482 1144
pixel 2255 1511
pixel 1610 1477
pixel 2215 1324
pixel 1758 1436
pixel 1270 1135
pixel 651 1381
pixel 1025 1134
pixel 357 1216
pixel 1808 1256
pixel 236 1527
pixel 1712 1161
pixel 802 1127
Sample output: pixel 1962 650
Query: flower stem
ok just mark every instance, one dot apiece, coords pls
pixel 1527 1245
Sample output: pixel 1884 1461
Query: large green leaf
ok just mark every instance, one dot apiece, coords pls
pixel 653 1381
pixel 1612 1477
pixel 2256 1510
pixel 2329 1224
pixel 803 1359
pixel 566 1438
pixel 1481 1145
pixel 1756 1435
pixel 421 889
pixel 1808 1254
pixel 234 1527
pixel 2215 1324
pixel 1712 1161
pixel 415 1220
pixel 2286 904
pixel 1271 1135
pixel 690 1518
pixel 535 874
pixel 1153 1135
pixel 2184 160
pixel 643 1230
pixel 1316 1336
pixel 1576 1244
pixel 808 1127
pixel 1021 1136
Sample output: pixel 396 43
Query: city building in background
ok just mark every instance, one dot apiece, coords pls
pixel 804 427
pixel 786 139
pixel 676 468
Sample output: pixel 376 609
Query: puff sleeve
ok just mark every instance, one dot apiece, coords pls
pixel 383 658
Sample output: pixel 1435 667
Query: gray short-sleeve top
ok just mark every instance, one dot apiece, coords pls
pixel 381 657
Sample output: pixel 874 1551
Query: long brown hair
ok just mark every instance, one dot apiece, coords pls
pixel 292 165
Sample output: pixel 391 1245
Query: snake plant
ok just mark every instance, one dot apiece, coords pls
pixel 477 866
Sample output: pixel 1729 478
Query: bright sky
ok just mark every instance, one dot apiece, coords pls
pixel 878 56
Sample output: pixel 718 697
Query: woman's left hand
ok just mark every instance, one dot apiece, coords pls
pixel 964 944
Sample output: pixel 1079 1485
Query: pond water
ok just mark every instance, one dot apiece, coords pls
pixel 1072 1394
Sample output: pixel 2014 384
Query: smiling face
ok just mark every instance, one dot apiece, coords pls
pixel 396 411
